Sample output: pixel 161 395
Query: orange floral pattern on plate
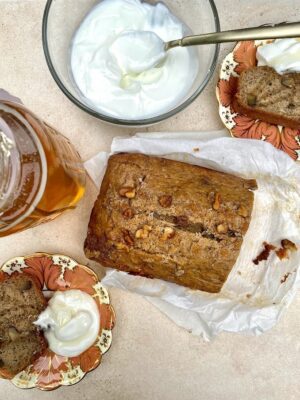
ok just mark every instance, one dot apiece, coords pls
pixel 48 368
pixel 58 272
pixel 87 359
pixel 239 125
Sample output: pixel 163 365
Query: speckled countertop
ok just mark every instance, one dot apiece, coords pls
pixel 151 358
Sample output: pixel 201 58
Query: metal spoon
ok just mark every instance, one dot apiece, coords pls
pixel 138 51
pixel 278 31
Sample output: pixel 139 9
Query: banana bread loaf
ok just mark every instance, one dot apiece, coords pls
pixel 170 220
pixel 21 301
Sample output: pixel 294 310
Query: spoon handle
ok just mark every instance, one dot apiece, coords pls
pixel 291 30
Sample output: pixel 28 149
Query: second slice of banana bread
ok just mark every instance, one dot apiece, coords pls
pixel 21 302
pixel 263 94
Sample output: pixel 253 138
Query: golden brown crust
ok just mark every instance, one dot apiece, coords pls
pixel 265 116
pixel 273 98
pixel 186 226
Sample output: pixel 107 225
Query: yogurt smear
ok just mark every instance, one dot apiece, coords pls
pixel 71 322
pixel 283 55
pixel 118 61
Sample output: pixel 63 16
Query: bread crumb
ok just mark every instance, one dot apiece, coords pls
pixel 284 278
pixel 287 246
pixel 264 255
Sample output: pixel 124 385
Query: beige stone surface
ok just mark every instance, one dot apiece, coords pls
pixel 151 358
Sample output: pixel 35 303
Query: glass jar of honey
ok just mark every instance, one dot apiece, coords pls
pixel 41 173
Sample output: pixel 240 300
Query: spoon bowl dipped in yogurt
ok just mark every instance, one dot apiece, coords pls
pixel 111 62
pixel 138 51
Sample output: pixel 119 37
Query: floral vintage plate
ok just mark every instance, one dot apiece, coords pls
pixel 58 272
pixel 241 58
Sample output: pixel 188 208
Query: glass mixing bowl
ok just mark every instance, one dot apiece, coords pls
pixel 63 17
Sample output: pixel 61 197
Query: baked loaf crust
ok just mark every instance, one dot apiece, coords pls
pixel 264 94
pixel 169 220
pixel 21 301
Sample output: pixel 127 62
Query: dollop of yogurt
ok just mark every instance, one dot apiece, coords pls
pixel 118 61
pixel 136 51
pixel 71 322
pixel 283 55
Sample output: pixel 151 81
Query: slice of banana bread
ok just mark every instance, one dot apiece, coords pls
pixel 17 354
pixel 21 302
pixel 264 94
pixel 169 220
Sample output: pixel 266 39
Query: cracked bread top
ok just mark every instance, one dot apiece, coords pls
pixel 169 220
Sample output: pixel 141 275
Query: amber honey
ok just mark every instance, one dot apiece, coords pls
pixel 43 174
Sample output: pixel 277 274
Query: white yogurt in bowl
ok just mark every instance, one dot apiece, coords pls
pixel 131 87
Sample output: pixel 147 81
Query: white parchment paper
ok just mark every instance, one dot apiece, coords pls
pixel 254 296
